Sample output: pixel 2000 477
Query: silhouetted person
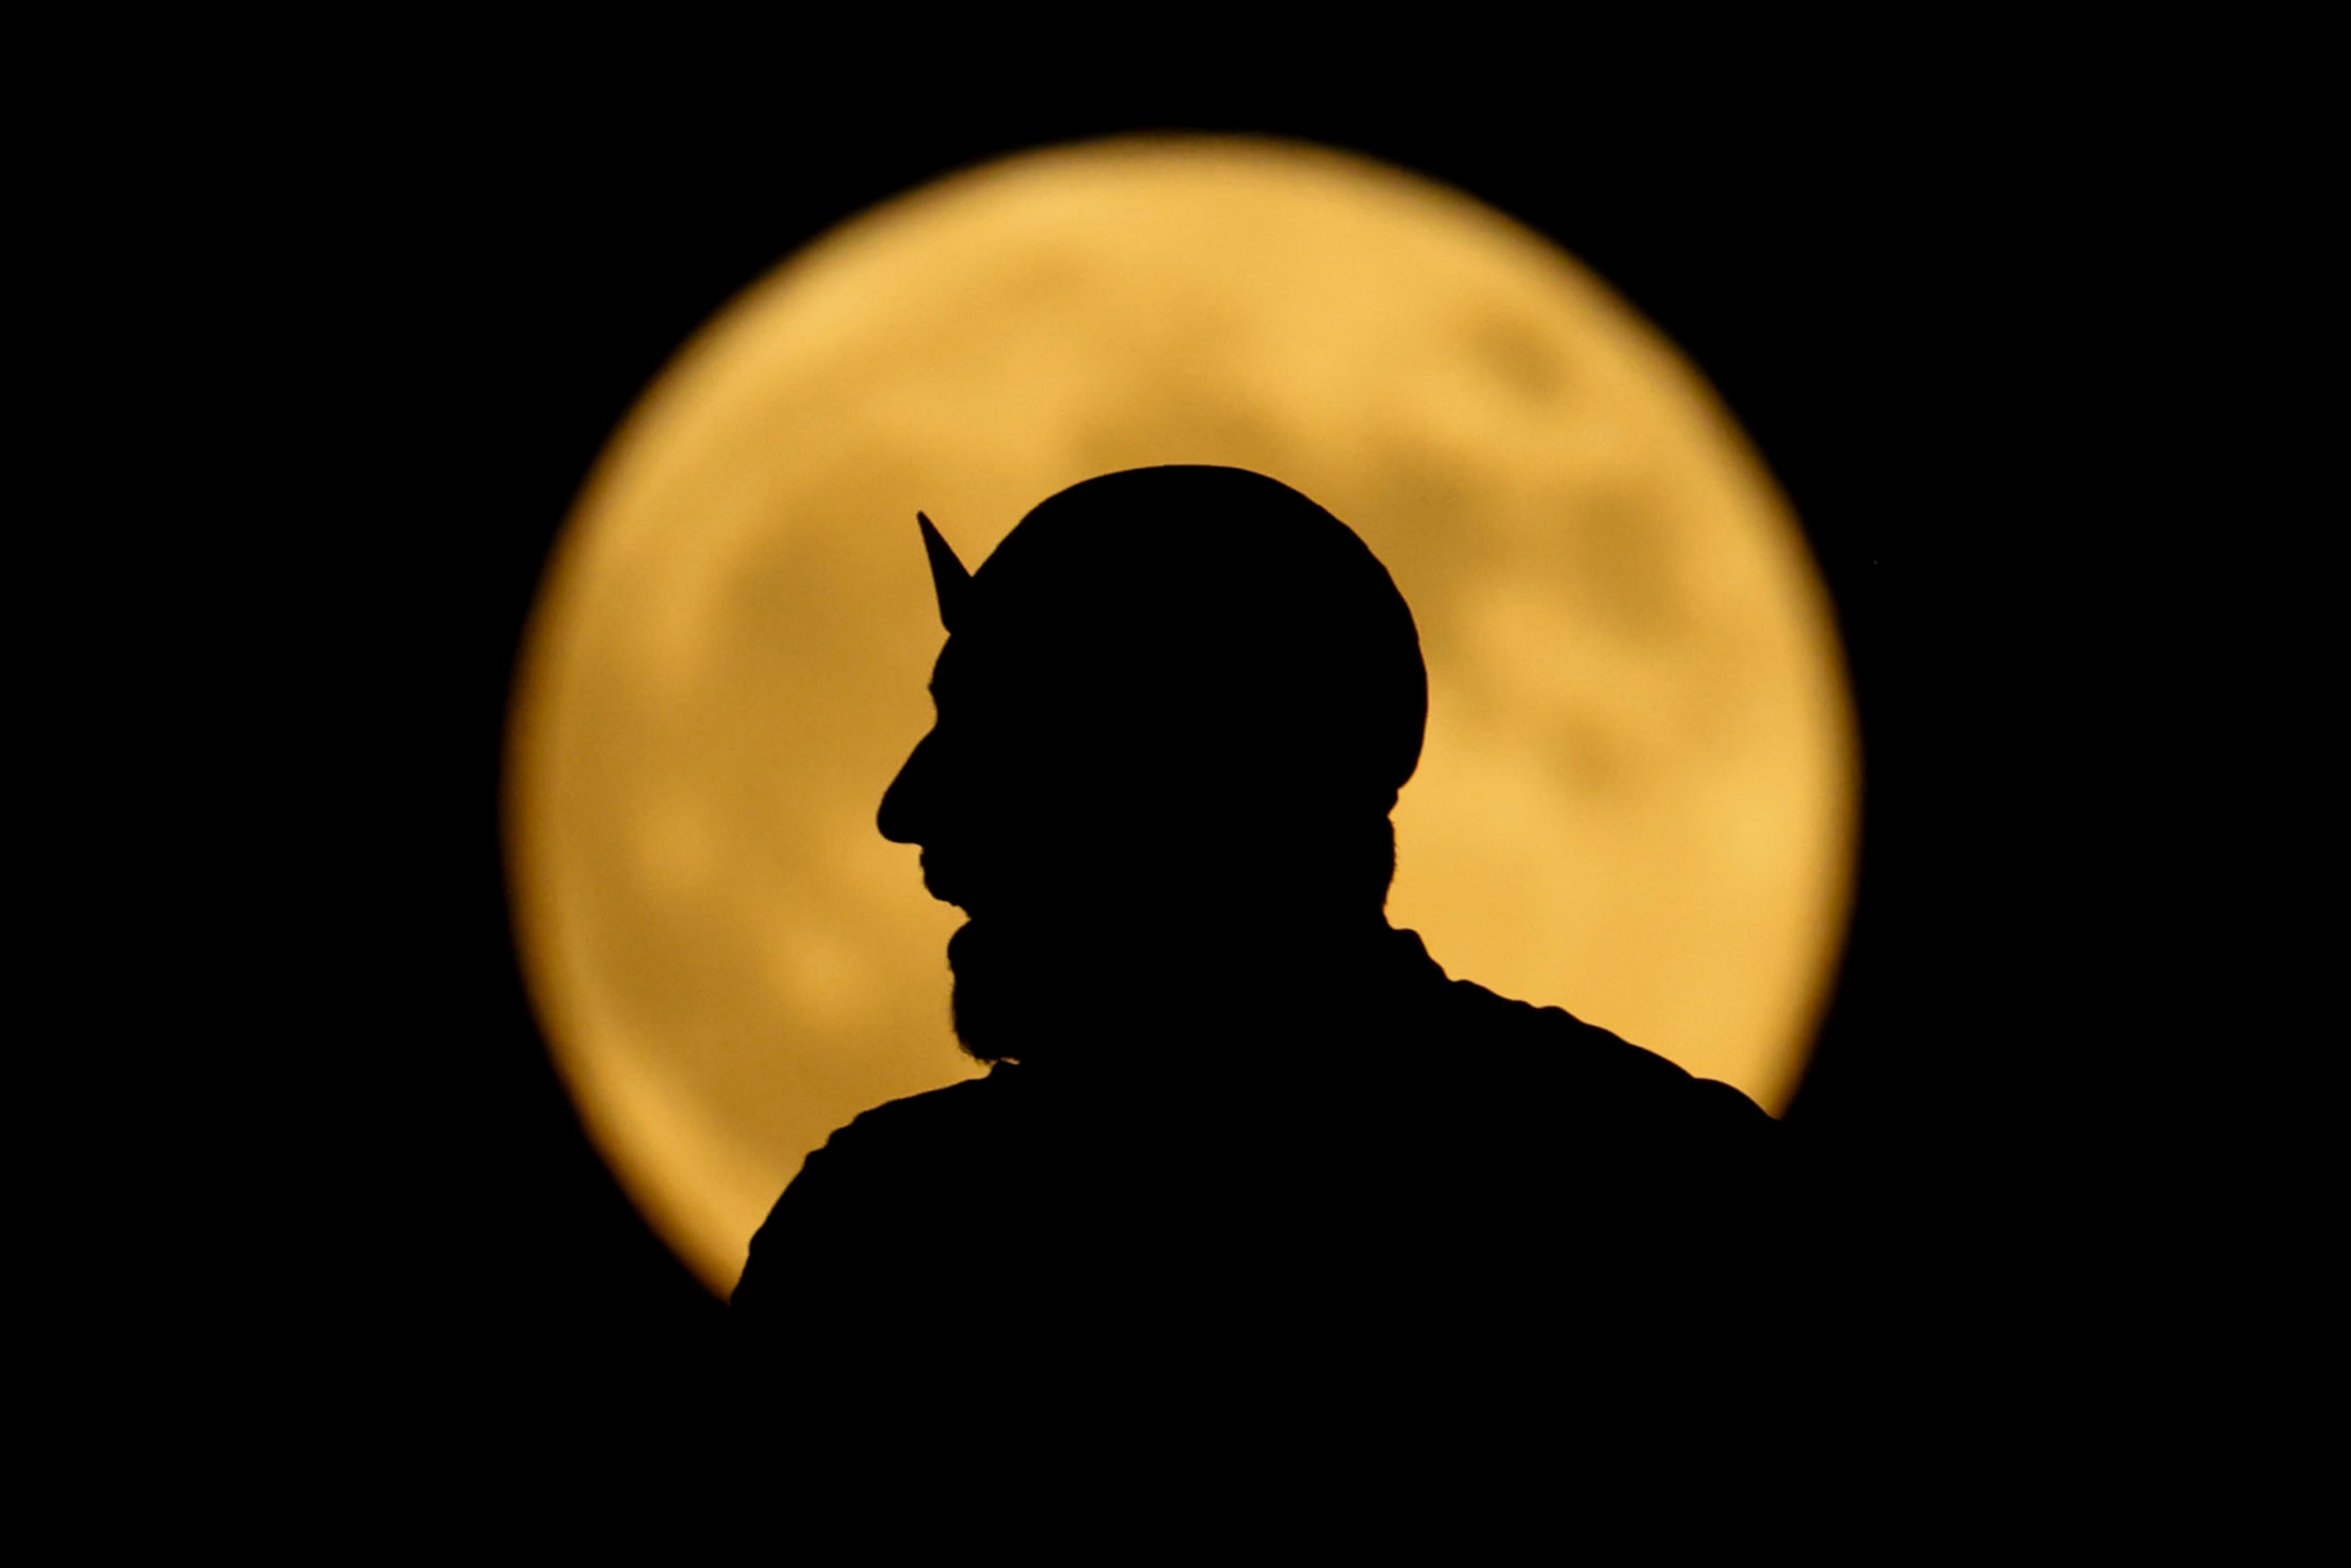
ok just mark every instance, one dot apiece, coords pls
pixel 1235 1124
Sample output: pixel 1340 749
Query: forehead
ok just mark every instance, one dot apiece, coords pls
pixel 971 677
pixel 1039 691
pixel 951 675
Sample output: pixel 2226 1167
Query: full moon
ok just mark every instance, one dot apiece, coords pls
pixel 1638 796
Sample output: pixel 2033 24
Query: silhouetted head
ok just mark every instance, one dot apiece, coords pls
pixel 1174 712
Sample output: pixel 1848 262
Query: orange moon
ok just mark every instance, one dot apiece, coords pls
pixel 1639 793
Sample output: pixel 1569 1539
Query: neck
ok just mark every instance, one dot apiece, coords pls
pixel 1255 989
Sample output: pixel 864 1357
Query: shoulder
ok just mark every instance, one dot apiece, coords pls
pixel 887 1168
pixel 938 1124
pixel 928 1115
pixel 1590 1066
pixel 1483 1036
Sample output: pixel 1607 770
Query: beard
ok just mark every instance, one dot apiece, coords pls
pixel 1025 993
pixel 1121 990
pixel 1002 1001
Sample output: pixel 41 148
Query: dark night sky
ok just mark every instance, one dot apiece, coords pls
pixel 476 297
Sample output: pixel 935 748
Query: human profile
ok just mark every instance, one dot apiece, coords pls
pixel 1225 1100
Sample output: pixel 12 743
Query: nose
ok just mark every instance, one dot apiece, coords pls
pixel 907 804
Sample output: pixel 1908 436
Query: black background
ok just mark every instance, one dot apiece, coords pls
pixel 470 293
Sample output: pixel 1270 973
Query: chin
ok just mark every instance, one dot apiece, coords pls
pixel 1015 995
pixel 985 1025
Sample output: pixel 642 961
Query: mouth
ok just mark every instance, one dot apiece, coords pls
pixel 942 884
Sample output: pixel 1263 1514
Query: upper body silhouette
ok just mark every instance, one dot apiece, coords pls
pixel 1229 1108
